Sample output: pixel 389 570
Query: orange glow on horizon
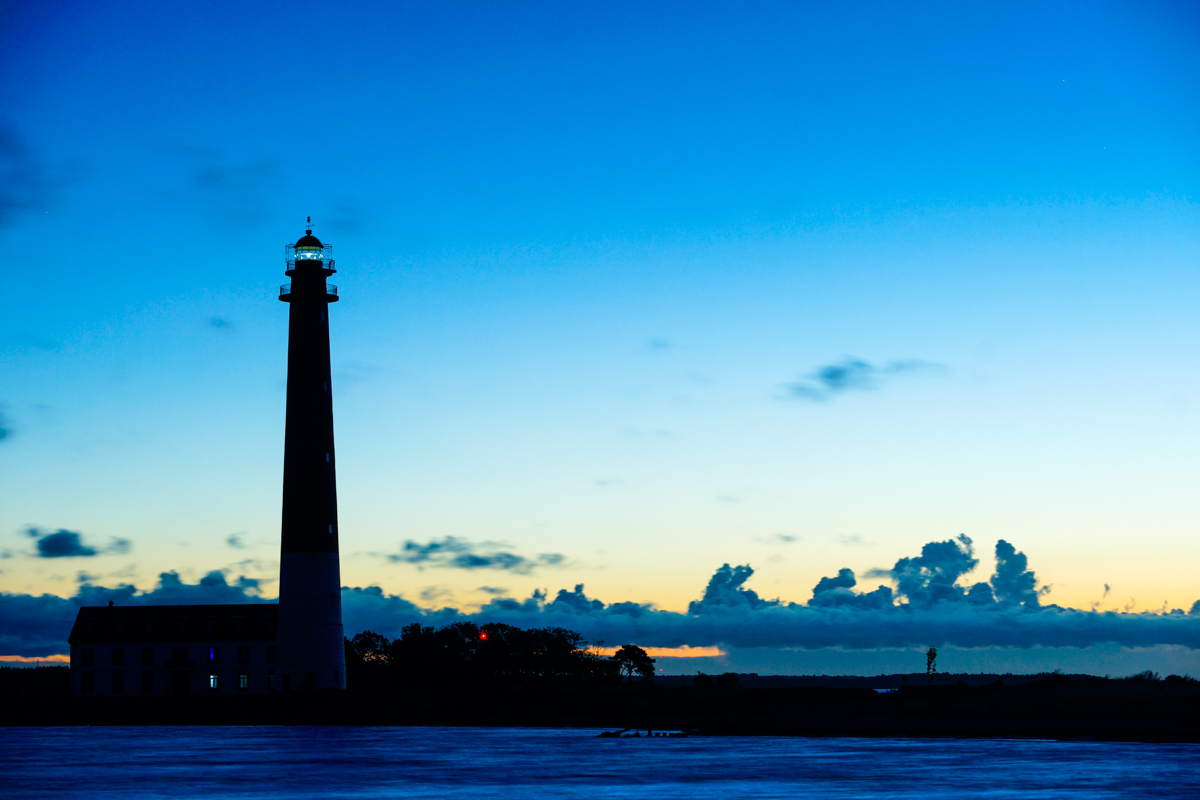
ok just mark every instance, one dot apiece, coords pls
pixel 686 651
pixel 57 659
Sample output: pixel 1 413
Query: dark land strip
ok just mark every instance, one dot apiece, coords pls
pixel 1053 707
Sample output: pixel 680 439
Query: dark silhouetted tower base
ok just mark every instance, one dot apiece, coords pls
pixel 311 654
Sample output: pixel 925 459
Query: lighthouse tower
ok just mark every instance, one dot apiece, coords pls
pixel 309 639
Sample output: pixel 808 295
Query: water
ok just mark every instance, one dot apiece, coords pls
pixel 482 763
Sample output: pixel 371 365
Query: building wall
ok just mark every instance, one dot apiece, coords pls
pixel 168 673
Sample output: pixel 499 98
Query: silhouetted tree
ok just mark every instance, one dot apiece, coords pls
pixel 702 681
pixel 372 648
pixel 728 680
pixel 493 653
pixel 630 659
pixel 930 665
pixel 367 656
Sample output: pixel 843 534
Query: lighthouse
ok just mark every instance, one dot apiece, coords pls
pixel 309 638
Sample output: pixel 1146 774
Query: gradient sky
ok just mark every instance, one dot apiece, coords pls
pixel 593 260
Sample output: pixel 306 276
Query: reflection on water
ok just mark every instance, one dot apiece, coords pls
pixel 354 762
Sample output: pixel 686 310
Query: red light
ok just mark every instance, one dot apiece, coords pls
pixel 483 636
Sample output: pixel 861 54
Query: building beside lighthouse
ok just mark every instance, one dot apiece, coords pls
pixel 251 648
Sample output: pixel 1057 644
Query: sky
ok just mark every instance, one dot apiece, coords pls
pixel 629 292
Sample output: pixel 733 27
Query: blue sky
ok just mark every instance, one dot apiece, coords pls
pixel 654 289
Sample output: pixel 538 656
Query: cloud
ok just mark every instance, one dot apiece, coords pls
pixel 69 544
pixel 725 590
pixel 63 544
pixel 852 374
pixel 220 323
pixel 492 590
pixel 1013 581
pixel 25 183
pixel 728 615
pixel 778 538
pixel 833 592
pixel 232 194
pixel 38 625
pixel 932 577
pixel 455 553
pixel 236 540
pixel 658 344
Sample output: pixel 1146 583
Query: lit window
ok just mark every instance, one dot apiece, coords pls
pixel 243 680
pixel 212 681
pixel 214 655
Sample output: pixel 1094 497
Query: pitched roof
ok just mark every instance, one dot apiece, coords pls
pixel 115 624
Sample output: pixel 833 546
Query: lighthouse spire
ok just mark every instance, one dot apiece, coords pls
pixel 309 639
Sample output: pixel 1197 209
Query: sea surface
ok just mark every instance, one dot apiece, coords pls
pixel 515 764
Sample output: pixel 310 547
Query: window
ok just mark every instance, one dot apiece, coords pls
pixel 147 656
pixel 243 681
pixel 121 627
pixel 214 655
pixel 88 657
pixel 148 626
pixel 118 656
pixel 270 654
pixel 89 683
pixel 213 684
pixel 238 625
pixel 271 679
pixel 179 657
pixel 182 626
pixel 147 681
pixel 210 625
pixel 243 654
pixel 118 682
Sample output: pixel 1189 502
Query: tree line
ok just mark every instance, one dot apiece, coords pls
pixel 464 653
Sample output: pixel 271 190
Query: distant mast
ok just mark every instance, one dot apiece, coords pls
pixel 310 648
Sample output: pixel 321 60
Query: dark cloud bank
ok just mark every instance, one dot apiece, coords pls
pixel 855 375
pixel 925 605
pixel 69 544
pixel 454 553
